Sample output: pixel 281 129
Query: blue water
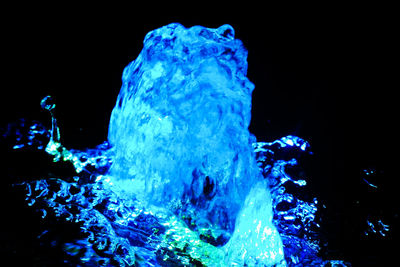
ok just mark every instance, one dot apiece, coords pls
pixel 180 180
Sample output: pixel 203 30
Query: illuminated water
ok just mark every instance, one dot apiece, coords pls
pixel 181 181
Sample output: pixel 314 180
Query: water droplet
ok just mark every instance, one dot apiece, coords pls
pixel 47 103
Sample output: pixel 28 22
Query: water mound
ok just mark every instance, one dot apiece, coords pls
pixel 180 127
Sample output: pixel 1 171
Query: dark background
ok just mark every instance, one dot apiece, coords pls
pixel 323 73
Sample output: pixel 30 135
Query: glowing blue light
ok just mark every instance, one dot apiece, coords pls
pixel 179 130
pixel 181 179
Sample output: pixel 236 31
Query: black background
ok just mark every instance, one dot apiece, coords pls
pixel 323 73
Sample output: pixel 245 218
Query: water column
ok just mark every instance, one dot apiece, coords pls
pixel 180 135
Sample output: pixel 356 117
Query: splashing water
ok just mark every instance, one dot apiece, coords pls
pixel 181 181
